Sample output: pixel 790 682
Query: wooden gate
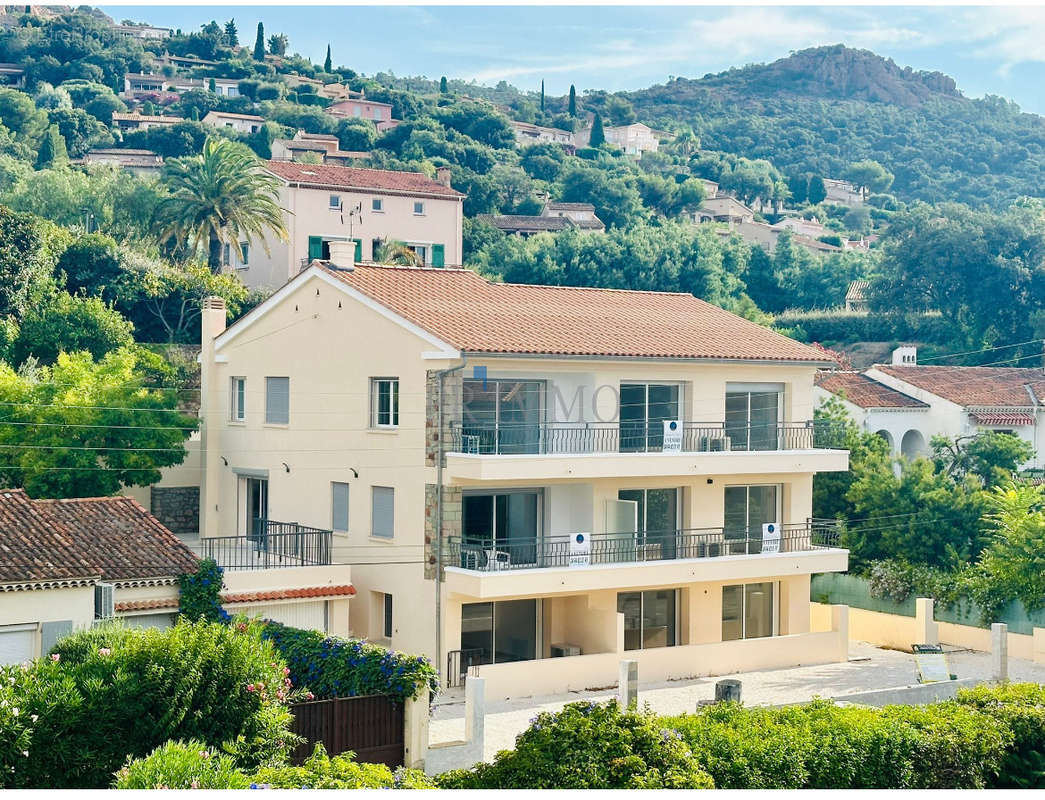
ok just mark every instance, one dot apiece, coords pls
pixel 371 727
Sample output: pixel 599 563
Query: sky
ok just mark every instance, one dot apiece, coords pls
pixel 987 50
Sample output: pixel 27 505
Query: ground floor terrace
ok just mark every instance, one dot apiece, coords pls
pixel 565 640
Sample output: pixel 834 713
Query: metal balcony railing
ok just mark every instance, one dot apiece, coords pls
pixel 485 555
pixel 270 544
pixel 634 437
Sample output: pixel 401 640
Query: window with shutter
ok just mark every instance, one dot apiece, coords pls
pixel 438 255
pixel 277 401
pixel 359 250
pixel 339 503
pixel 382 512
pixel 315 247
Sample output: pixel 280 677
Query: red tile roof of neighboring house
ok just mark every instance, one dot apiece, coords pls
pixel 118 116
pixel 343 590
pixel 154 604
pixel 975 386
pixel 111 537
pixel 252 117
pixel 476 315
pixel 865 392
pixel 1005 419
pixel 327 176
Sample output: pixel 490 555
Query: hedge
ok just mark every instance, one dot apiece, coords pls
pixel 862 326
pixel 112 692
pixel 329 666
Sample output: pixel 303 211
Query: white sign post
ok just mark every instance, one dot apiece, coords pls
pixel 580 550
pixel 672 436
pixel 770 537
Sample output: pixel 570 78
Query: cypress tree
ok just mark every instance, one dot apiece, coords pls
pixel 52 151
pixel 573 101
pixel 816 192
pixel 259 44
pixel 598 135
pixel 442 85
pixel 212 85
pixel 328 65
pixel 542 95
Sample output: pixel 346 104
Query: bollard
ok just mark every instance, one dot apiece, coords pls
pixel 1000 651
pixel 727 690
pixel 628 684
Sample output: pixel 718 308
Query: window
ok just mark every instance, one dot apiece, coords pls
pixel 377 204
pixel 748 611
pixel 747 509
pixel 334 202
pixel 388 616
pixel 501 632
pixel 226 254
pixel 339 507
pixel 244 250
pixel 654 519
pixel 277 401
pixel 649 618
pixel 753 415
pixel 238 400
pixel 421 251
pixel 644 407
pixel 502 416
pixel 377 115
pixel 419 208
pixel 384 402
pixel 382 512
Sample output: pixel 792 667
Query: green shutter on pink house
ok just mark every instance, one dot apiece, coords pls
pixel 438 255
pixel 315 247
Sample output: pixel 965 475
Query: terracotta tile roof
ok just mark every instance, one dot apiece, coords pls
pixel 118 116
pixel 230 115
pixel 476 315
pixel 111 537
pixel 526 222
pixel 975 386
pixel 155 603
pixel 865 392
pixel 344 590
pixel 857 291
pixel 327 176
pixel 1005 419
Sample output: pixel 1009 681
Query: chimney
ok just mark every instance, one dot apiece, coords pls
pixel 905 355
pixel 212 324
pixel 343 255
pixel 442 175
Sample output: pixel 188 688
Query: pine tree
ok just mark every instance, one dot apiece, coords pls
pixel 259 44
pixel 52 151
pixel 442 85
pixel 232 33
pixel 542 95
pixel 573 101
pixel 328 65
pixel 598 136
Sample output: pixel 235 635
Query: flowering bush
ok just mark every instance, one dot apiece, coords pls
pixel 181 765
pixel 112 692
pixel 340 772
pixel 199 593
pixel 330 666
pixel 589 746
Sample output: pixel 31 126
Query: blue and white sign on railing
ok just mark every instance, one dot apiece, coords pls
pixel 770 537
pixel 580 550
pixel 672 436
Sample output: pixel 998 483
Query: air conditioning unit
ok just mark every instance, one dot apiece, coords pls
pixel 564 650
pixel 104 605
pixel 714 444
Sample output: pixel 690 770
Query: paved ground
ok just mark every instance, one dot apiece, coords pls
pixel 869 667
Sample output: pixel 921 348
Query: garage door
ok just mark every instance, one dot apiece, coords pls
pixel 310 616
pixel 17 643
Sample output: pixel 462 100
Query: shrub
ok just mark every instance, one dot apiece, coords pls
pixel 199 593
pixel 823 746
pixel 181 765
pixel 320 771
pixel 1021 708
pixel 111 693
pixel 330 666
pixel 589 746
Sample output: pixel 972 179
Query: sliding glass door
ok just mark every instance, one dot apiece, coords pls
pixel 644 407
pixel 502 416
pixel 657 519
pixel 747 509
pixel 501 632
pixel 649 618
pixel 753 414
pixel 500 531
pixel 748 611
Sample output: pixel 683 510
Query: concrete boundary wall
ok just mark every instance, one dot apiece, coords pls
pixel 914 695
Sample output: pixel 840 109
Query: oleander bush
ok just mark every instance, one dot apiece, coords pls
pixel 824 746
pixel 320 771
pixel 182 765
pixel 111 693
pixel 330 666
pixel 589 746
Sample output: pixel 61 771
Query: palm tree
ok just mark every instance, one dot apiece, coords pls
pixel 397 254
pixel 221 196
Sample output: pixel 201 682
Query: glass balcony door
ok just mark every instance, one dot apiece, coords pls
pixel 257 507
pixel 502 417
pixel 500 531
pixel 747 508
pixel 502 632
pixel 749 611
pixel 649 618
pixel 753 414
pixel 644 407
pixel 658 520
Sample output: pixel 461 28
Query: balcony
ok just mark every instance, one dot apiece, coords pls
pixel 273 544
pixel 485 569
pixel 550 450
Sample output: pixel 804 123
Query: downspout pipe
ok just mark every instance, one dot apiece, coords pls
pixel 440 452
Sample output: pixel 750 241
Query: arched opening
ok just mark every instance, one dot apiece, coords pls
pixel 888 438
pixel 912 445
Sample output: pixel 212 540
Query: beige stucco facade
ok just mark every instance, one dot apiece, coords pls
pixel 311 213
pixel 331 341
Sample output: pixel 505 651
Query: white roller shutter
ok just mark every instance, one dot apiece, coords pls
pixel 309 616
pixel 17 643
